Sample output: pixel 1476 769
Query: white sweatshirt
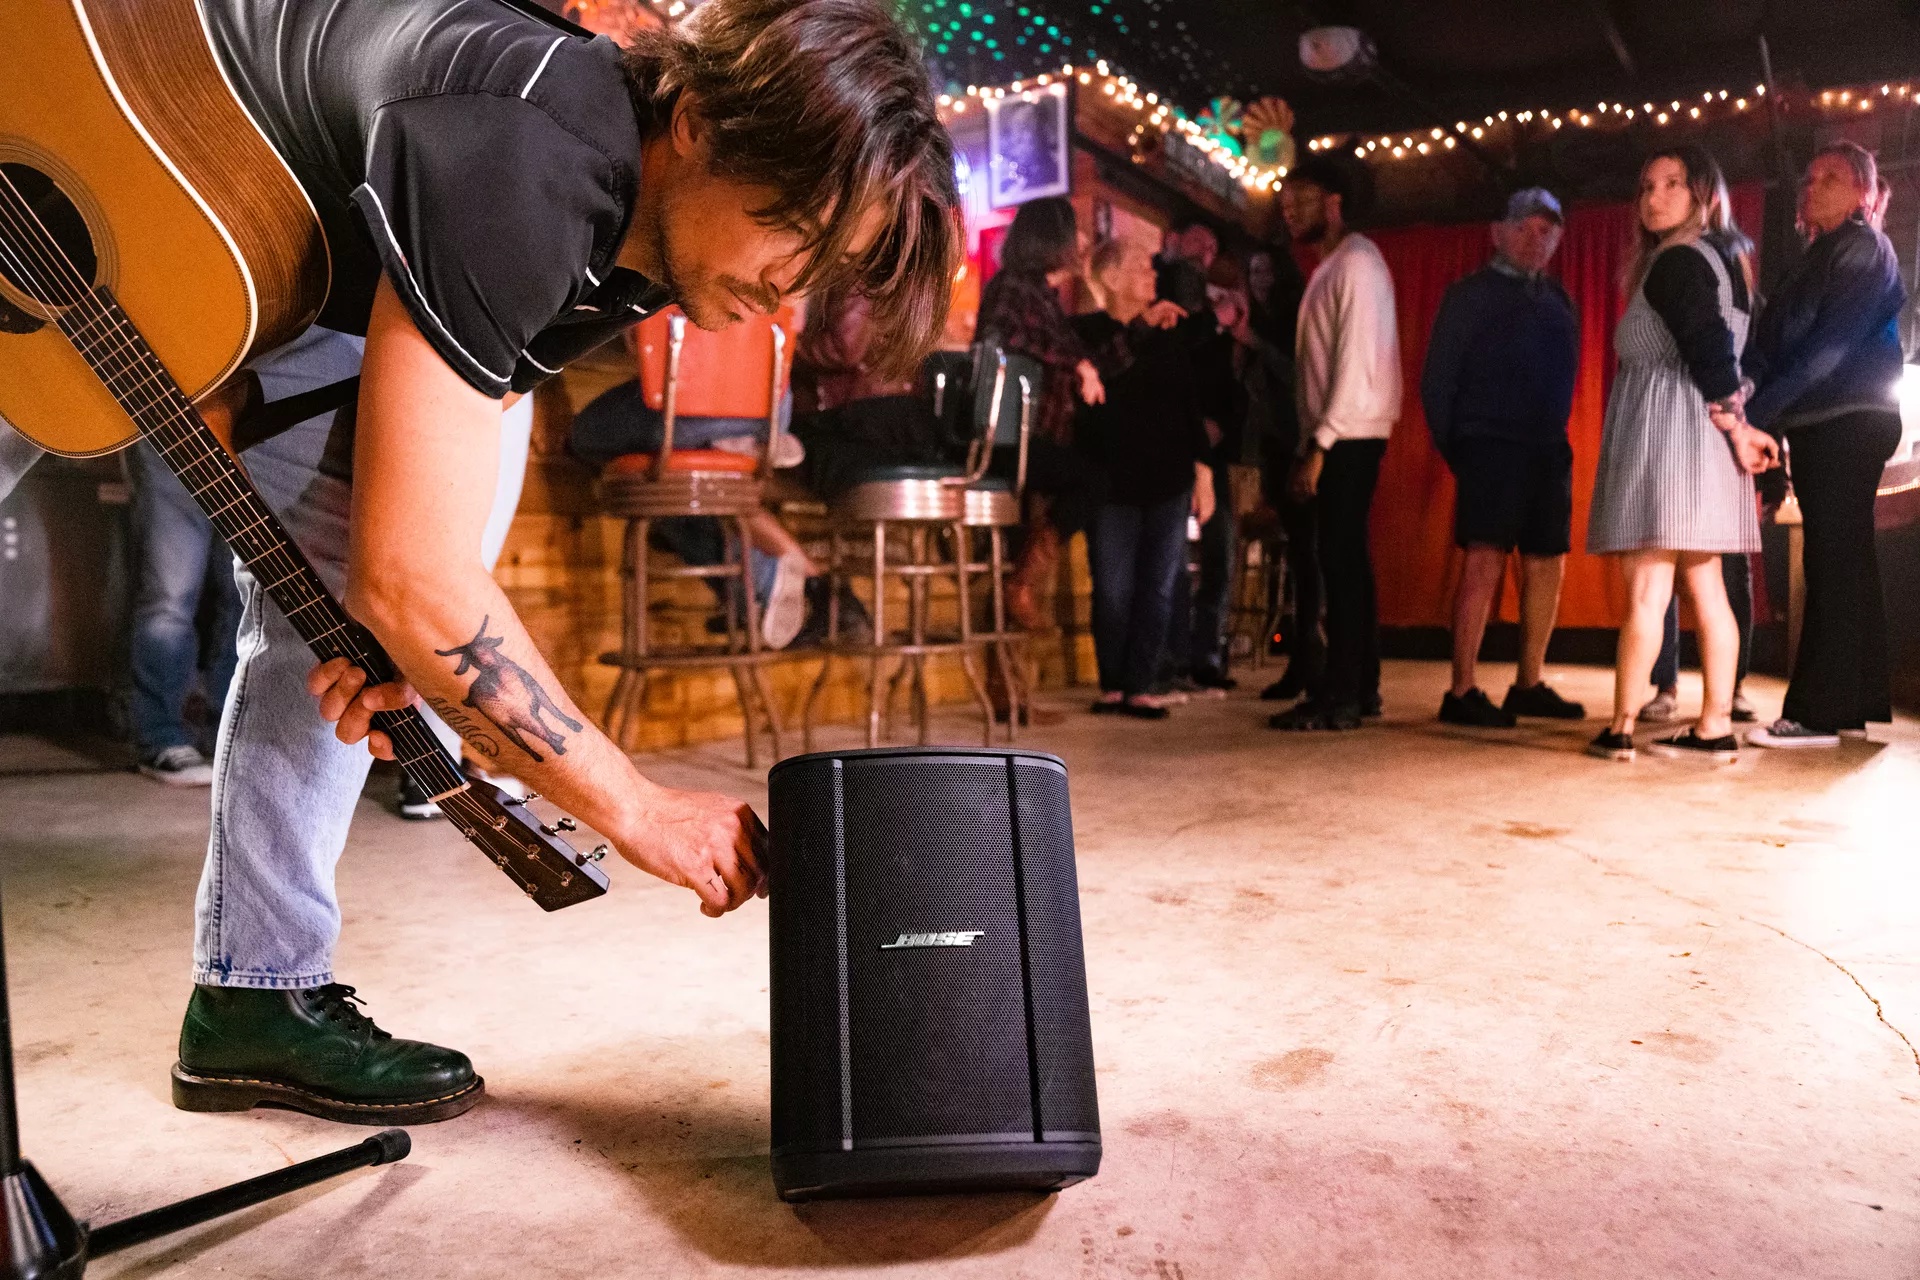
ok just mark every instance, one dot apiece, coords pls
pixel 1348 349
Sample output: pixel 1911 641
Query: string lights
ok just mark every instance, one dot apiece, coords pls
pixel 1156 114
pixel 1714 104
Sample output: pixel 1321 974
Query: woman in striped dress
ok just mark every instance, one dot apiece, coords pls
pixel 1674 491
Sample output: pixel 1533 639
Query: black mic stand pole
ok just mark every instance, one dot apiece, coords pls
pixel 43 1242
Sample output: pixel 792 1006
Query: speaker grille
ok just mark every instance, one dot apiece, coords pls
pixel 938 1033
pixel 1062 1034
pixel 804 936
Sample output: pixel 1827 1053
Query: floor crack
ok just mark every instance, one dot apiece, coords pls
pixel 1878 1010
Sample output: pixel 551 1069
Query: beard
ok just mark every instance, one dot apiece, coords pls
pixel 1311 234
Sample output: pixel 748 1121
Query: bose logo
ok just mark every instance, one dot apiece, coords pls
pixel 950 938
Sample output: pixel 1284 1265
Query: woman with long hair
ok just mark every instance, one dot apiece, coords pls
pixel 1826 357
pixel 1674 491
pixel 1020 307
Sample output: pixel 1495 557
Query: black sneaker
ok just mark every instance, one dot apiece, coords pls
pixel 1288 687
pixel 1373 708
pixel 1313 715
pixel 1609 745
pixel 1208 676
pixel 1691 746
pixel 1542 700
pixel 414 804
pixel 1476 710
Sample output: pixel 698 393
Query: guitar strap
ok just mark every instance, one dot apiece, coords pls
pixel 259 419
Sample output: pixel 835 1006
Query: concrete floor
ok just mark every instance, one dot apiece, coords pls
pixel 1404 1002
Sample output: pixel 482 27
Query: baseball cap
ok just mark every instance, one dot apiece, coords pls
pixel 1533 200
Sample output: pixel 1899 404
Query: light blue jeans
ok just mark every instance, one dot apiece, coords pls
pixel 284 787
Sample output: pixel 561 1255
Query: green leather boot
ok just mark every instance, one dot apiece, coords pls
pixel 311 1050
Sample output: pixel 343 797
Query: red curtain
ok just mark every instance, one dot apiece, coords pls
pixel 1414 557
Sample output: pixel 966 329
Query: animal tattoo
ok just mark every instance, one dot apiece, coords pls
pixel 507 694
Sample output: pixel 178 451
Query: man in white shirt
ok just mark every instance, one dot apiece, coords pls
pixel 1348 392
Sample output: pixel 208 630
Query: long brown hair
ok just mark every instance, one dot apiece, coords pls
pixel 827 104
pixel 1711 219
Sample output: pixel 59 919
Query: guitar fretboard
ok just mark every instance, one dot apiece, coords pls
pixel 105 337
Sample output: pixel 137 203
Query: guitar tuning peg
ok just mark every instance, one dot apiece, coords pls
pixel 567 824
pixel 531 795
pixel 598 852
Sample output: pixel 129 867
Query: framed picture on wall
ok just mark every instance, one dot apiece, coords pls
pixel 1029 146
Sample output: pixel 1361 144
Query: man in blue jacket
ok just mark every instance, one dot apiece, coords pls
pixel 1497 389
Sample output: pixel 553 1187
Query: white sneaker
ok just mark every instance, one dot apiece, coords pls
pixel 179 767
pixel 1786 734
pixel 785 611
pixel 1662 708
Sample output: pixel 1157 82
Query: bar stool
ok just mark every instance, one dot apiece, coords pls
pixel 993 504
pixel 918 507
pixel 673 483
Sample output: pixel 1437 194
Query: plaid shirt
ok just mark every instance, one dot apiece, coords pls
pixel 1025 312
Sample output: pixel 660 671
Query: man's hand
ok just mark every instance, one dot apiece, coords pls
pixel 1305 483
pixel 346 700
pixel 1164 314
pixel 712 844
pixel 1203 498
pixel 1091 389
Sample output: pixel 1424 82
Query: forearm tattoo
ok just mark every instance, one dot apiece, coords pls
pixel 507 695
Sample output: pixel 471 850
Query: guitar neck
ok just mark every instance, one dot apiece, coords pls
pixel 105 337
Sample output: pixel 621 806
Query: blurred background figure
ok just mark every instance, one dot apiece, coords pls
pixel 186 616
pixel 1020 308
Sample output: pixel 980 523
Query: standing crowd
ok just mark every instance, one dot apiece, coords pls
pixel 1191 364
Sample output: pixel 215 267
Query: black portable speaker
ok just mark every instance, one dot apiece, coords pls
pixel 929 990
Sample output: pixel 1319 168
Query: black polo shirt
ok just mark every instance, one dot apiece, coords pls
pixel 484 157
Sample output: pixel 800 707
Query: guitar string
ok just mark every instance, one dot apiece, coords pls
pixel 418 746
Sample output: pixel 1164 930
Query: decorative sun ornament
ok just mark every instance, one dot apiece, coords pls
pixel 1266 133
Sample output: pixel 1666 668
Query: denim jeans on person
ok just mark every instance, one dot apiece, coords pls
pixel 620 421
pixel 1136 552
pixel 284 788
pixel 1737 572
pixel 1197 635
pixel 178 560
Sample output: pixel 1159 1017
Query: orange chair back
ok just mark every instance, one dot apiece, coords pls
pixel 722 375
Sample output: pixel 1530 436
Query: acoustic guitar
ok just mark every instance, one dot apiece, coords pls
pixel 151 243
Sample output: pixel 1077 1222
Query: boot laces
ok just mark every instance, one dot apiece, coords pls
pixel 341 1005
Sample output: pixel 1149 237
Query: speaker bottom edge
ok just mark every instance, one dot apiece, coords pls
pixel 933 1170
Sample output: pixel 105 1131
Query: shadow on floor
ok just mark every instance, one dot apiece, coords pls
pixel 702 1165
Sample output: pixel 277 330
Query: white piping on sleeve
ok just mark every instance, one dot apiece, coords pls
pixel 419 295
pixel 528 357
pixel 592 277
pixel 544 58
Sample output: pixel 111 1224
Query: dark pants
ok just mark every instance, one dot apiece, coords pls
pixel 1197 636
pixel 1136 552
pixel 1306 655
pixel 1840 672
pixel 182 570
pixel 1737 572
pixel 1070 482
pixel 1346 568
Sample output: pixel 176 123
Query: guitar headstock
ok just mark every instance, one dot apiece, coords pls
pixel 533 853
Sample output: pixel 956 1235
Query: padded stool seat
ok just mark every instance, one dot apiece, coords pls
pixel 628 464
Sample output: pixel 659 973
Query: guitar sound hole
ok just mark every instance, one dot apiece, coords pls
pixel 24 262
